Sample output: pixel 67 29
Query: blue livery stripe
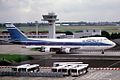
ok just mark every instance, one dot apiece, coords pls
pixel 64 43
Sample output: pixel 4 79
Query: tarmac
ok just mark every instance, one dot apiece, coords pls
pixel 94 58
pixel 19 49
pixel 91 75
pixel 109 59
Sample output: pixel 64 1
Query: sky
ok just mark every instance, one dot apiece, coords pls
pixel 67 10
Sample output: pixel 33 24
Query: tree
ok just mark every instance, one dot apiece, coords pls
pixel 68 33
pixel 1 25
pixel 114 36
pixel 105 34
pixel 119 35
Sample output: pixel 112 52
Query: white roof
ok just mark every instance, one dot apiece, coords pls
pixel 27 66
pixel 78 68
pixel 67 62
pixel 24 65
pixel 81 66
pixel 70 66
pixel 32 66
pixel 58 67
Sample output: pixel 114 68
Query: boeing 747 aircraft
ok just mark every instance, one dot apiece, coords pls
pixel 60 45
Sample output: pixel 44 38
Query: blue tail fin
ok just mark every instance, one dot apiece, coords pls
pixel 15 33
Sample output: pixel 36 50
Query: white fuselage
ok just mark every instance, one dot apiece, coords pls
pixel 90 43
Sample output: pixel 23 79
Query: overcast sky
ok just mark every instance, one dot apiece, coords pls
pixel 67 10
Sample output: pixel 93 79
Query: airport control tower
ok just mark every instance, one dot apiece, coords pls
pixel 51 18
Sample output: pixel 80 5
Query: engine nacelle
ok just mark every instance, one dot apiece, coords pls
pixel 45 49
pixel 66 50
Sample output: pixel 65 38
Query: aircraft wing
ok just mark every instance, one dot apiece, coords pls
pixel 66 49
pixel 34 46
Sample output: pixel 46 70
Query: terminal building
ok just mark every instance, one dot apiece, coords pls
pixel 85 33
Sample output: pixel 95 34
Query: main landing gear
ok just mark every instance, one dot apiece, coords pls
pixel 102 52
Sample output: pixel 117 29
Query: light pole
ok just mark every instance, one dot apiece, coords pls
pixel 36 23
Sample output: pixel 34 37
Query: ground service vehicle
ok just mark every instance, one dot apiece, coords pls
pixel 26 68
pixel 79 70
pixel 65 63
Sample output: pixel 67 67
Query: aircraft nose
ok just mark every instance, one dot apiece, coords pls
pixel 113 44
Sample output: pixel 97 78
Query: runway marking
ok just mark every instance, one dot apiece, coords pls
pixel 104 68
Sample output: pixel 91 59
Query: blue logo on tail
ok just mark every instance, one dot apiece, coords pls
pixel 15 33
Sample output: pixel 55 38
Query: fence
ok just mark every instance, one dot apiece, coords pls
pixel 32 74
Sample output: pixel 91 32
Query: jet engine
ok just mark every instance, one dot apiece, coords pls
pixel 66 50
pixel 45 49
